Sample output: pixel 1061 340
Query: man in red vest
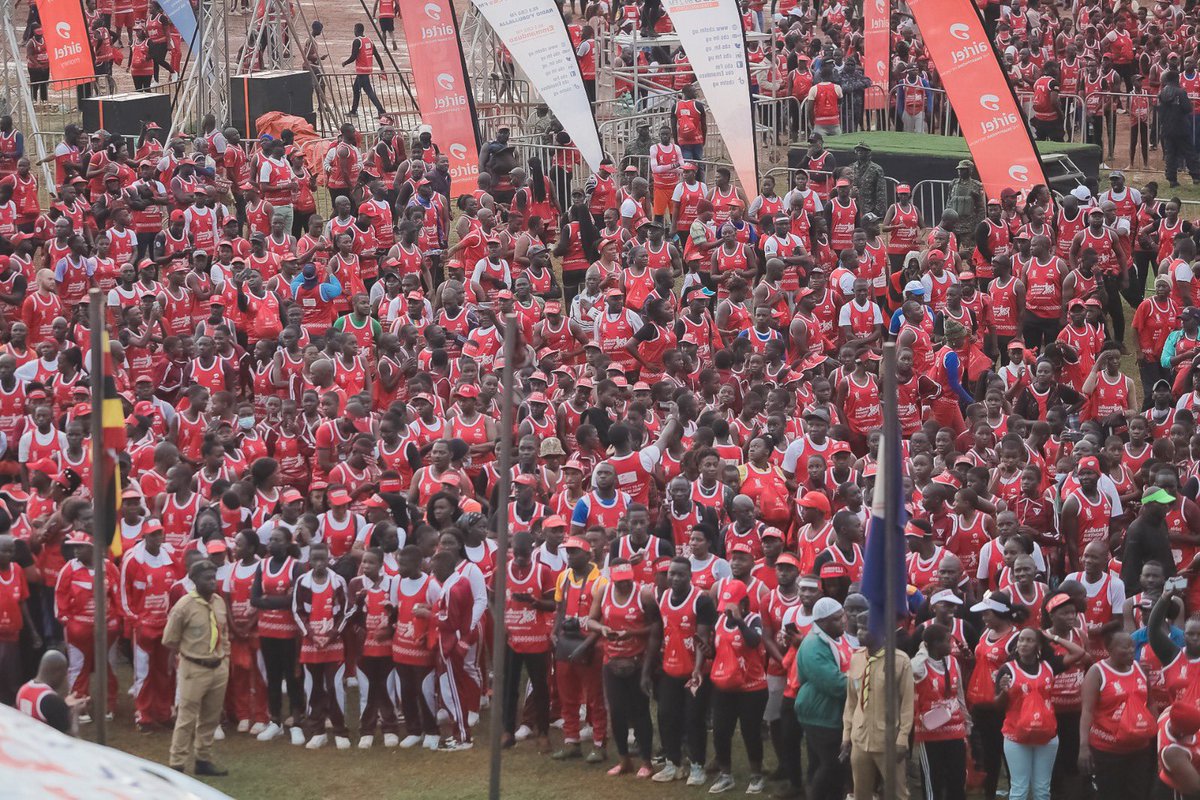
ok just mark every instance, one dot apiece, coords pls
pixel 363 56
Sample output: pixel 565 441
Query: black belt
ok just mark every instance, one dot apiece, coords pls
pixel 207 663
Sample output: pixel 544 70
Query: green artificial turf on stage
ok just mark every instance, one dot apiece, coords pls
pixel 924 143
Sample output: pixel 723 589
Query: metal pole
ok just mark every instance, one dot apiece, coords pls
pixel 500 577
pixel 891 521
pixel 100 525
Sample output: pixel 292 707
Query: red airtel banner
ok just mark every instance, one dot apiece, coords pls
pixel 443 93
pixel 67 42
pixel 877 45
pixel 978 90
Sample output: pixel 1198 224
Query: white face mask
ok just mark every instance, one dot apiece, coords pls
pixel 246 423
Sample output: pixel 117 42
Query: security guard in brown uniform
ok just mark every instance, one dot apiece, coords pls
pixel 198 629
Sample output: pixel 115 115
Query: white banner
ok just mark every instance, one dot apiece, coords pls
pixel 711 34
pixel 535 34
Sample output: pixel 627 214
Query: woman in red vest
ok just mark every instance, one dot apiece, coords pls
pixel 1116 729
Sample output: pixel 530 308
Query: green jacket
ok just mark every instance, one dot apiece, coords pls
pixel 822 696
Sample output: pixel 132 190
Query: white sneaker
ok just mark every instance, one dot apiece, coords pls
pixel 558 723
pixel 696 775
pixel 454 746
pixel 723 783
pixel 352 682
pixel 219 734
pixel 297 736
pixel 85 719
pixel 343 743
pixel 365 742
pixel 472 719
pixel 523 733
pixel 757 784
pixel 243 726
pixel 431 742
pixel 259 727
pixel 391 740
pixel 317 742
pixel 667 774
pixel 272 731
pixel 409 742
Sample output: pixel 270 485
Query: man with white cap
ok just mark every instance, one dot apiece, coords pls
pixel 915 291
pixel 821 664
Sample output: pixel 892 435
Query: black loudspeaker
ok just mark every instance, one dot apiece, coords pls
pixel 286 91
pixel 124 113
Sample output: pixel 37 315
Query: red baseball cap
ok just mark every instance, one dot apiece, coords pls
pixel 554 521
pixel 621 572
pixel 467 390
pixel 732 593
pixel 338 497
pixel 817 500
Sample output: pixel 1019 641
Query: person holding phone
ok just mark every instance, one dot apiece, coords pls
pixel 1181 665
pixel 1024 690
pixel 625 614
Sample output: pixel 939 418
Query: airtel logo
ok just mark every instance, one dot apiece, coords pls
pixel 458 151
pixel 1018 173
pixel 990 101
pixel 446 81
pixel 960 31
pixel 63 30
pixel 433 11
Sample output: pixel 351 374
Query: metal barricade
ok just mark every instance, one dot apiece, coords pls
pixel 335 91
pixel 930 197
pixel 1112 120
pixel 1070 105
pixel 775 119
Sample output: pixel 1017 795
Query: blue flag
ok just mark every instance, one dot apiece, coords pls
pixel 183 17
pixel 877 568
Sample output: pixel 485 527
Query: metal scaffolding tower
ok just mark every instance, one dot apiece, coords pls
pixel 18 98
pixel 206 82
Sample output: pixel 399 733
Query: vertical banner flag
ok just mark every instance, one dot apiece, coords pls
pixel 877 45
pixel 715 44
pixel 113 443
pixel 443 93
pixel 876 565
pixel 67 42
pixel 536 35
pixel 979 92
pixel 183 17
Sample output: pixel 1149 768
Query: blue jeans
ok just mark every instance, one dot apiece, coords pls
pixel 1029 769
pixel 692 152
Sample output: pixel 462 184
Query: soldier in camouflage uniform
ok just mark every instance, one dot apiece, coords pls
pixel 869 183
pixel 967 200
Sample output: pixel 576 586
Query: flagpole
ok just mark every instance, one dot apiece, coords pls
pixel 500 577
pixel 100 525
pixel 891 521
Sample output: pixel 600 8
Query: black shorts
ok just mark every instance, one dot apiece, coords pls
pixel 387 24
